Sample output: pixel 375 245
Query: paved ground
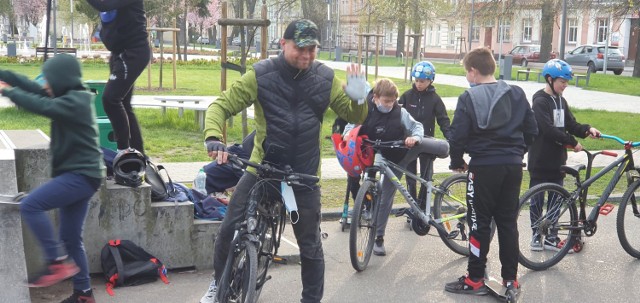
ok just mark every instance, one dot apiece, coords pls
pixel 414 270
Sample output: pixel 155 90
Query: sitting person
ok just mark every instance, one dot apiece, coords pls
pixel 222 177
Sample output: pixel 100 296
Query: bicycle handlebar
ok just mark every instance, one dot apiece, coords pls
pixel 268 170
pixel 631 143
pixel 386 144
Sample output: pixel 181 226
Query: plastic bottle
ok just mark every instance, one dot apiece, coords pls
pixel 200 181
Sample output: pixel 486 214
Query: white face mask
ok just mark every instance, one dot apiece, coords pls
pixel 383 109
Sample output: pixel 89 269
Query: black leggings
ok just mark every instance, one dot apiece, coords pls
pixel 124 67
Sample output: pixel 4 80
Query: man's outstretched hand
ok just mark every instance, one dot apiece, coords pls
pixel 357 86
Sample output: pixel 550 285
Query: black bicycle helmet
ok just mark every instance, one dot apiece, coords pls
pixel 128 167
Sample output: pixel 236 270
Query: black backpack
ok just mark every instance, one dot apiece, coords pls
pixel 126 264
pixel 159 189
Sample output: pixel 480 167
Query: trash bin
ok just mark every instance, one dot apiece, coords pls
pixel 505 67
pixel 107 136
pixel 338 53
pixel 11 49
pixel 97 87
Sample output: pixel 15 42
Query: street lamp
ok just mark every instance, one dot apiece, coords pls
pixel 71 5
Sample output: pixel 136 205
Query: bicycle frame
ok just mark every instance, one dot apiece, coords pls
pixel 624 164
pixel 382 165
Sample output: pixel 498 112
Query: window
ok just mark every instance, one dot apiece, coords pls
pixel 527 30
pixel 572 33
pixel 452 35
pixel 603 30
pixel 504 31
pixel 430 35
pixel 475 32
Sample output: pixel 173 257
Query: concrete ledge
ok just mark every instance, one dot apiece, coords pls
pixel 12 260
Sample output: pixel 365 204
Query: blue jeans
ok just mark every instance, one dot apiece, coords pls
pixel 70 192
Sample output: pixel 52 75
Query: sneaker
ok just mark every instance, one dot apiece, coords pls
pixel 378 247
pixel 465 285
pixel 56 271
pixel 210 295
pixel 555 244
pixel 536 244
pixel 80 296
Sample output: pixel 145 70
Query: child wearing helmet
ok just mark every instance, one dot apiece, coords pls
pixel 557 127
pixel 386 121
pixel 426 107
pixel 77 169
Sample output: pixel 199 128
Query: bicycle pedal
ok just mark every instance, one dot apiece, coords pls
pixel 279 260
pixel 606 209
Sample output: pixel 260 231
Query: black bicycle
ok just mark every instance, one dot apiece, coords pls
pixel 552 216
pixel 257 239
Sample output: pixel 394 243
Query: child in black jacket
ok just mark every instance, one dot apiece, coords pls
pixel 424 105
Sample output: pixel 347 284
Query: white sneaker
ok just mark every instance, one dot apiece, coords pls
pixel 210 295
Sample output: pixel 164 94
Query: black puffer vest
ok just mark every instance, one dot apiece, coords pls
pixel 385 127
pixel 293 103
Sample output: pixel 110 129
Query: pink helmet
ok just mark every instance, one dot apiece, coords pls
pixel 353 156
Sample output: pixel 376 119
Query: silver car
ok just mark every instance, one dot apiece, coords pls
pixel 592 56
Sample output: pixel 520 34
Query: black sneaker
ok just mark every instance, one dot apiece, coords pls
pixel 465 285
pixel 80 296
pixel 536 243
pixel 555 244
pixel 378 247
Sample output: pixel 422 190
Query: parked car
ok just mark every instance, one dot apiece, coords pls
pixel 236 41
pixel 203 40
pixel 523 54
pixel 592 56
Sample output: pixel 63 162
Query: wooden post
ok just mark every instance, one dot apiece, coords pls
pixel 175 40
pixel 150 58
pixel 223 61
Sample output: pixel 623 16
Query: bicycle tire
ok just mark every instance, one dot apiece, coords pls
pixel 363 226
pixel 238 281
pixel 628 219
pixel 561 218
pixel 452 203
pixel 267 230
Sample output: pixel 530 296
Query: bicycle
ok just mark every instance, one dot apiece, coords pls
pixel 563 224
pixel 447 216
pixel 257 239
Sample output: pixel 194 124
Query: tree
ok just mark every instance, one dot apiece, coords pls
pixel 30 11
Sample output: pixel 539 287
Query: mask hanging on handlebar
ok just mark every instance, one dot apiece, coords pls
pixel 290 202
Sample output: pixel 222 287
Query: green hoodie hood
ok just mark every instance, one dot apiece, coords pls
pixel 63 73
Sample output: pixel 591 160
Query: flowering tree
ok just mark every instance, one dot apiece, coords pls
pixel 31 11
pixel 204 17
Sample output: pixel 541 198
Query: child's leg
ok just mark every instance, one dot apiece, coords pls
pixel 385 204
pixel 71 226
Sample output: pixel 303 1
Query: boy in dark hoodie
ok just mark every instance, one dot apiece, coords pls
pixel 124 33
pixel 557 127
pixel 76 167
pixel 424 105
pixel 493 122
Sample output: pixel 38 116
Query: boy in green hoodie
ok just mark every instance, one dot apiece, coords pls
pixel 76 167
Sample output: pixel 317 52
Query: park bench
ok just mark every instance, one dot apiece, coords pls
pixel 352 56
pixel 59 50
pixel 527 72
pixel 581 72
pixel 198 104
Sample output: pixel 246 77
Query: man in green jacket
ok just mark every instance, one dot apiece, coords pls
pixel 290 95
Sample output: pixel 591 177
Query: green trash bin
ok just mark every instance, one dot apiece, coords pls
pixel 97 87
pixel 107 136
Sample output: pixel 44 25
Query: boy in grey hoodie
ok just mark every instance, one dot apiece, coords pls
pixel 493 123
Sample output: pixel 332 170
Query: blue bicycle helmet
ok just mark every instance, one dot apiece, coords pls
pixel 557 68
pixel 424 70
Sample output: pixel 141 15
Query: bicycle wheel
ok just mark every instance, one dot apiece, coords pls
pixel 628 220
pixel 547 224
pixel 267 231
pixel 363 226
pixel 450 203
pixel 238 282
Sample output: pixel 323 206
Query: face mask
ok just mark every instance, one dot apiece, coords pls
pixel 472 84
pixel 383 109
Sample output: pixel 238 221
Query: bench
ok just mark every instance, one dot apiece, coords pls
pixel 352 56
pixel 198 104
pixel 59 50
pixel 581 72
pixel 527 72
